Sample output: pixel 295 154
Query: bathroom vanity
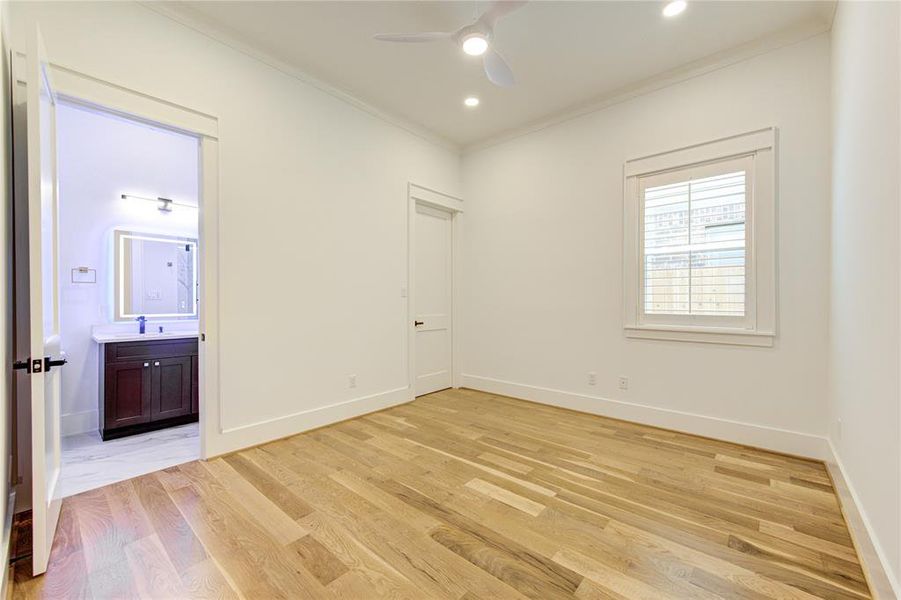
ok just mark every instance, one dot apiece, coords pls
pixel 147 381
pixel 149 372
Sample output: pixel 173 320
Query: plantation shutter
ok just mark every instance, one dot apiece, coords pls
pixel 694 250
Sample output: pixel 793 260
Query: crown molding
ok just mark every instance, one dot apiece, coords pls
pixel 714 62
pixel 187 17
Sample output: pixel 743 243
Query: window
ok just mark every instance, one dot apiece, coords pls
pixel 693 270
pixel 694 250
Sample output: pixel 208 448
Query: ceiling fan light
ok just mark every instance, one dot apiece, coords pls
pixel 674 8
pixel 471 102
pixel 475 45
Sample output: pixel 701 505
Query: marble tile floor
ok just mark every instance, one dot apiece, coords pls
pixel 88 462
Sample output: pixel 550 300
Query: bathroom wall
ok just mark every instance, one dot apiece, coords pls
pixel 102 157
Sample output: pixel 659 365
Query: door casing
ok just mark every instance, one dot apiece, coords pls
pixel 420 195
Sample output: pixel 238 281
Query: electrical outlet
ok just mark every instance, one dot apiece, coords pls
pixel 592 378
pixel 352 381
pixel 623 383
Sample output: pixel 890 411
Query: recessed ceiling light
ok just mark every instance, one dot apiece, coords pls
pixel 471 102
pixel 475 45
pixel 674 8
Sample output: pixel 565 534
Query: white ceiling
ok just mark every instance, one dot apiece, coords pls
pixel 564 54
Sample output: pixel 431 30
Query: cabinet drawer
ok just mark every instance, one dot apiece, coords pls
pixel 121 351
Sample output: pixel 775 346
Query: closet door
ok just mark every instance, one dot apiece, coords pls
pixel 433 299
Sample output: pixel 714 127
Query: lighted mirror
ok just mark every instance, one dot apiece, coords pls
pixel 156 276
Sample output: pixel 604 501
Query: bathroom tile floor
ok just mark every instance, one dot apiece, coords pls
pixel 88 462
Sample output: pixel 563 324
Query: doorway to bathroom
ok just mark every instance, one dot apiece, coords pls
pixel 128 296
pixel 147 382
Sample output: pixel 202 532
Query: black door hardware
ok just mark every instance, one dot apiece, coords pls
pixel 417 323
pixel 29 366
pixel 50 363
pixel 37 365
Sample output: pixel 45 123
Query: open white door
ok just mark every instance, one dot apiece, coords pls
pixel 43 290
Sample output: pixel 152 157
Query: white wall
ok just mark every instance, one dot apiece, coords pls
pixel 542 260
pixel 102 157
pixel 313 191
pixel 866 263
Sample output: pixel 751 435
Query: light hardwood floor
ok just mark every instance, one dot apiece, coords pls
pixel 463 495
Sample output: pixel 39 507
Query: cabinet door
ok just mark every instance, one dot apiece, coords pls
pixel 171 388
pixel 127 394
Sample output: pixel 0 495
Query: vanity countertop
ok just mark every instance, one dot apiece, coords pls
pixel 103 337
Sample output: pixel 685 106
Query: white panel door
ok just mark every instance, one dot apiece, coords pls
pixel 432 297
pixel 43 291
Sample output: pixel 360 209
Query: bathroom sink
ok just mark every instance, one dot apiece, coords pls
pixel 133 336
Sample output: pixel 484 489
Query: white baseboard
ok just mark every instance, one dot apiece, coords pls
pixel 253 434
pixel 760 436
pixel 80 422
pixel 883 584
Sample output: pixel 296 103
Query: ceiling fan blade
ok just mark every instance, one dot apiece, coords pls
pixel 497 10
pixel 413 38
pixel 497 69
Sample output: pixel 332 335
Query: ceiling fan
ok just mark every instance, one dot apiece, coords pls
pixel 475 39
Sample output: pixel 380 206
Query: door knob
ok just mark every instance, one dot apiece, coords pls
pixel 417 323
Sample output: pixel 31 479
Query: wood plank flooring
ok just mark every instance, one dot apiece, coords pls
pixel 463 495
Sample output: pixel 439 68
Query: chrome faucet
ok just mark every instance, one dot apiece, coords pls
pixel 142 323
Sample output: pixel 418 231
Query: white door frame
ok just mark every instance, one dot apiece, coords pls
pixel 419 195
pixel 75 87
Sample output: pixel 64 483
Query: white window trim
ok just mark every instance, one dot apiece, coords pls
pixel 758 328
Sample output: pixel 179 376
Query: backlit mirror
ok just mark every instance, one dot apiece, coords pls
pixel 156 276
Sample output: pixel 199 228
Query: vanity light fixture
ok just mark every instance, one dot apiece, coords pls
pixel 164 205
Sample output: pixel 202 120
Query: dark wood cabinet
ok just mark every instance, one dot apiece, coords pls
pixel 129 384
pixel 171 388
pixel 147 385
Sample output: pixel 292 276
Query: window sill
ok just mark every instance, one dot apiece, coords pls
pixel 706 335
